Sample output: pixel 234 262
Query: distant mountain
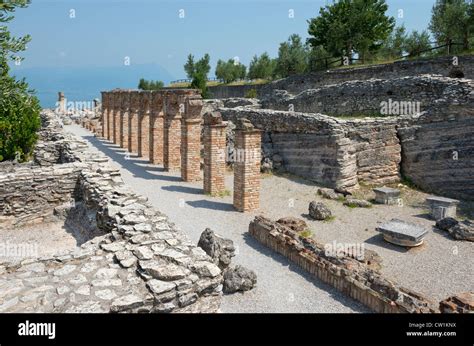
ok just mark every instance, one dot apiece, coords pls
pixel 86 83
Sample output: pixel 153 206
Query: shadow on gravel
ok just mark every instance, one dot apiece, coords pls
pixel 136 166
pixel 183 189
pixel 379 241
pixel 212 205
pixel 353 304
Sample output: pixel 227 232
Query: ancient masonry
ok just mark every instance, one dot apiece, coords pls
pixel 214 153
pixel 134 261
pixel 247 166
pixel 372 131
pixel 165 128
pixel 356 277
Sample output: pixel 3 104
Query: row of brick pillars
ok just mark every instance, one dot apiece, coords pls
pixel 165 127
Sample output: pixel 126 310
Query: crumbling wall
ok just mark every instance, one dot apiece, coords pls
pixel 295 84
pixel 438 152
pixel 347 274
pixel 442 66
pixel 138 262
pixel 29 194
pixel 333 152
pixel 397 96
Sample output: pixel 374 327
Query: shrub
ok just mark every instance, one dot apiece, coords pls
pixel 251 94
pixel 305 234
pixel 19 119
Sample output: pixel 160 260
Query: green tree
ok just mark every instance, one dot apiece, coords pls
pixel 351 26
pixel 189 66
pixel 292 57
pixel 451 22
pixel 200 82
pixel 150 85
pixel 394 46
pixel 317 58
pixel 19 108
pixel 416 43
pixel 261 67
pixel 198 71
pixel 230 71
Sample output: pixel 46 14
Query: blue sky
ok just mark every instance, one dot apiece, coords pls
pixel 105 32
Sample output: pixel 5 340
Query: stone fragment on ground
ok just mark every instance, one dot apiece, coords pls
pixel 330 194
pixel 221 250
pixel 297 225
pixel 462 303
pixel 319 211
pixel 239 279
pixel 357 203
pixel 459 230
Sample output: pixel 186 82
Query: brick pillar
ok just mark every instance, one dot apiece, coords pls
pixel 124 110
pixel 115 113
pixel 191 139
pixel 156 128
pixel 247 166
pixel 144 126
pixel 214 153
pixel 105 110
pixel 133 122
pixel 118 117
pixel 172 132
pixel 109 116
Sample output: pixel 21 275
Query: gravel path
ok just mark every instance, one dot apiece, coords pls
pixel 437 269
pixel 281 286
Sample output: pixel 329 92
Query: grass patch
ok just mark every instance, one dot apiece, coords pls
pixel 330 218
pixel 266 175
pixel 305 234
pixel 222 194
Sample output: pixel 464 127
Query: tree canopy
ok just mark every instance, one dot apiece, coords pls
pixel 351 26
pixel 230 71
pixel 19 108
pixel 150 85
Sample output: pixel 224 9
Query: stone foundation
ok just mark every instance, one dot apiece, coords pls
pixel 347 274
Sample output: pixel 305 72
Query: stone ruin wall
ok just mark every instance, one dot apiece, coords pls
pixel 365 97
pixel 354 277
pixel 140 263
pixel 334 152
pixel 344 152
pixel 296 84
pixel 438 151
